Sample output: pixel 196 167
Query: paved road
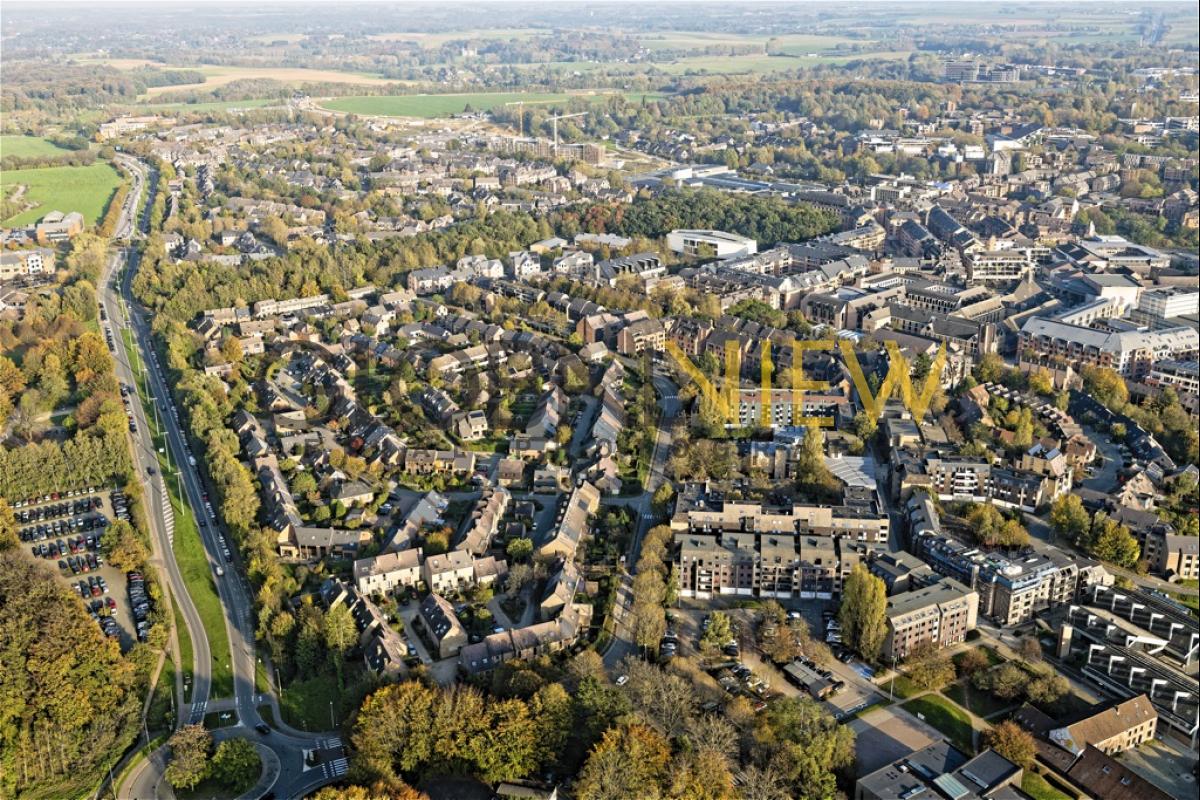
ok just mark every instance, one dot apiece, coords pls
pixel 291 747
pixel 1105 478
pixel 669 405
pixel 156 500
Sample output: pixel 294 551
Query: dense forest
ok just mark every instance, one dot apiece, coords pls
pixel 68 700
pixel 648 739
pixel 51 361
pixel 66 87
pixel 768 220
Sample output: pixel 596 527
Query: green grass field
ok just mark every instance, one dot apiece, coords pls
pixel 185 652
pixel 28 147
pixel 430 106
pixel 762 64
pixel 982 703
pixel 216 105
pixel 946 717
pixel 189 554
pixel 1038 788
pixel 83 189
pixel 904 688
pixel 305 704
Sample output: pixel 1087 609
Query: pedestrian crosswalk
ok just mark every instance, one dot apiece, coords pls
pixel 168 518
pixel 335 768
pixel 329 744
pixel 198 711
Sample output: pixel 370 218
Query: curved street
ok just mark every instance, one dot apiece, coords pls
pixel 306 760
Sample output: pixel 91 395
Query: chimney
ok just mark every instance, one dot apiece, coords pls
pixel 1064 640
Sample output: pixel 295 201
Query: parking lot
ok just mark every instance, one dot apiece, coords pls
pixel 884 735
pixel 63 532
pixel 857 692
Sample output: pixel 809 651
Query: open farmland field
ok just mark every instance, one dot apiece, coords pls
pixel 431 106
pixel 82 189
pixel 216 105
pixel 220 76
pixel 429 40
pixel 28 147
pixel 749 65
pixel 790 44
pixel 118 63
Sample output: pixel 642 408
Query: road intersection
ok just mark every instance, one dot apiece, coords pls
pixel 300 762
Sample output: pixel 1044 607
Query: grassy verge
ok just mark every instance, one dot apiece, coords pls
pixel 220 719
pixel 883 703
pixel 188 547
pixel 185 653
pixel 212 787
pixel 262 682
pixel 268 714
pixel 904 688
pixel 1038 788
pixel 306 704
pixel 983 704
pixel 946 717
pixel 162 705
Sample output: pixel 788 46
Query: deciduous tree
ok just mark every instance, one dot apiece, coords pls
pixel 189 763
pixel 630 761
pixel 863 612
pixel 236 764
pixel 1013 742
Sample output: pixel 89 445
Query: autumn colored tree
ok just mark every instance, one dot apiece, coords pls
pixel 630 761
pixel 189 763
pixel 1013 742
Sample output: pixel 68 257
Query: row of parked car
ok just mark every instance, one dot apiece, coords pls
pixel 63 508
pixel 738 679
pixel 60 548
pixel 46 498
pixel 833 637
pixel 85 562
pixel 62 527
pixel 139 604
pixel 120 505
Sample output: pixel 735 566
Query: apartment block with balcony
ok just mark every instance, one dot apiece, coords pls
pixel 940 614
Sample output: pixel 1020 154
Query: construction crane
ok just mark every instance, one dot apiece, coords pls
pixel 520 104
pixel 556 118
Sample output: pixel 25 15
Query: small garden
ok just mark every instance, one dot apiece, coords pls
pixel 946 717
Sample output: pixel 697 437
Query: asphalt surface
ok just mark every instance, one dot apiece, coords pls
pixel 669 405
pixel 304 761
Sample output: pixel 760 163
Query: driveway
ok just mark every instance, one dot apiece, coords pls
pixel 1105 478
pixel 583 425
pixel 1165 764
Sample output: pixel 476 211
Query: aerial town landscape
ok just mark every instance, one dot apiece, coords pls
pixel 600 401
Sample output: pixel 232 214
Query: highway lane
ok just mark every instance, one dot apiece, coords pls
pixel 156 500
pixel 295 776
